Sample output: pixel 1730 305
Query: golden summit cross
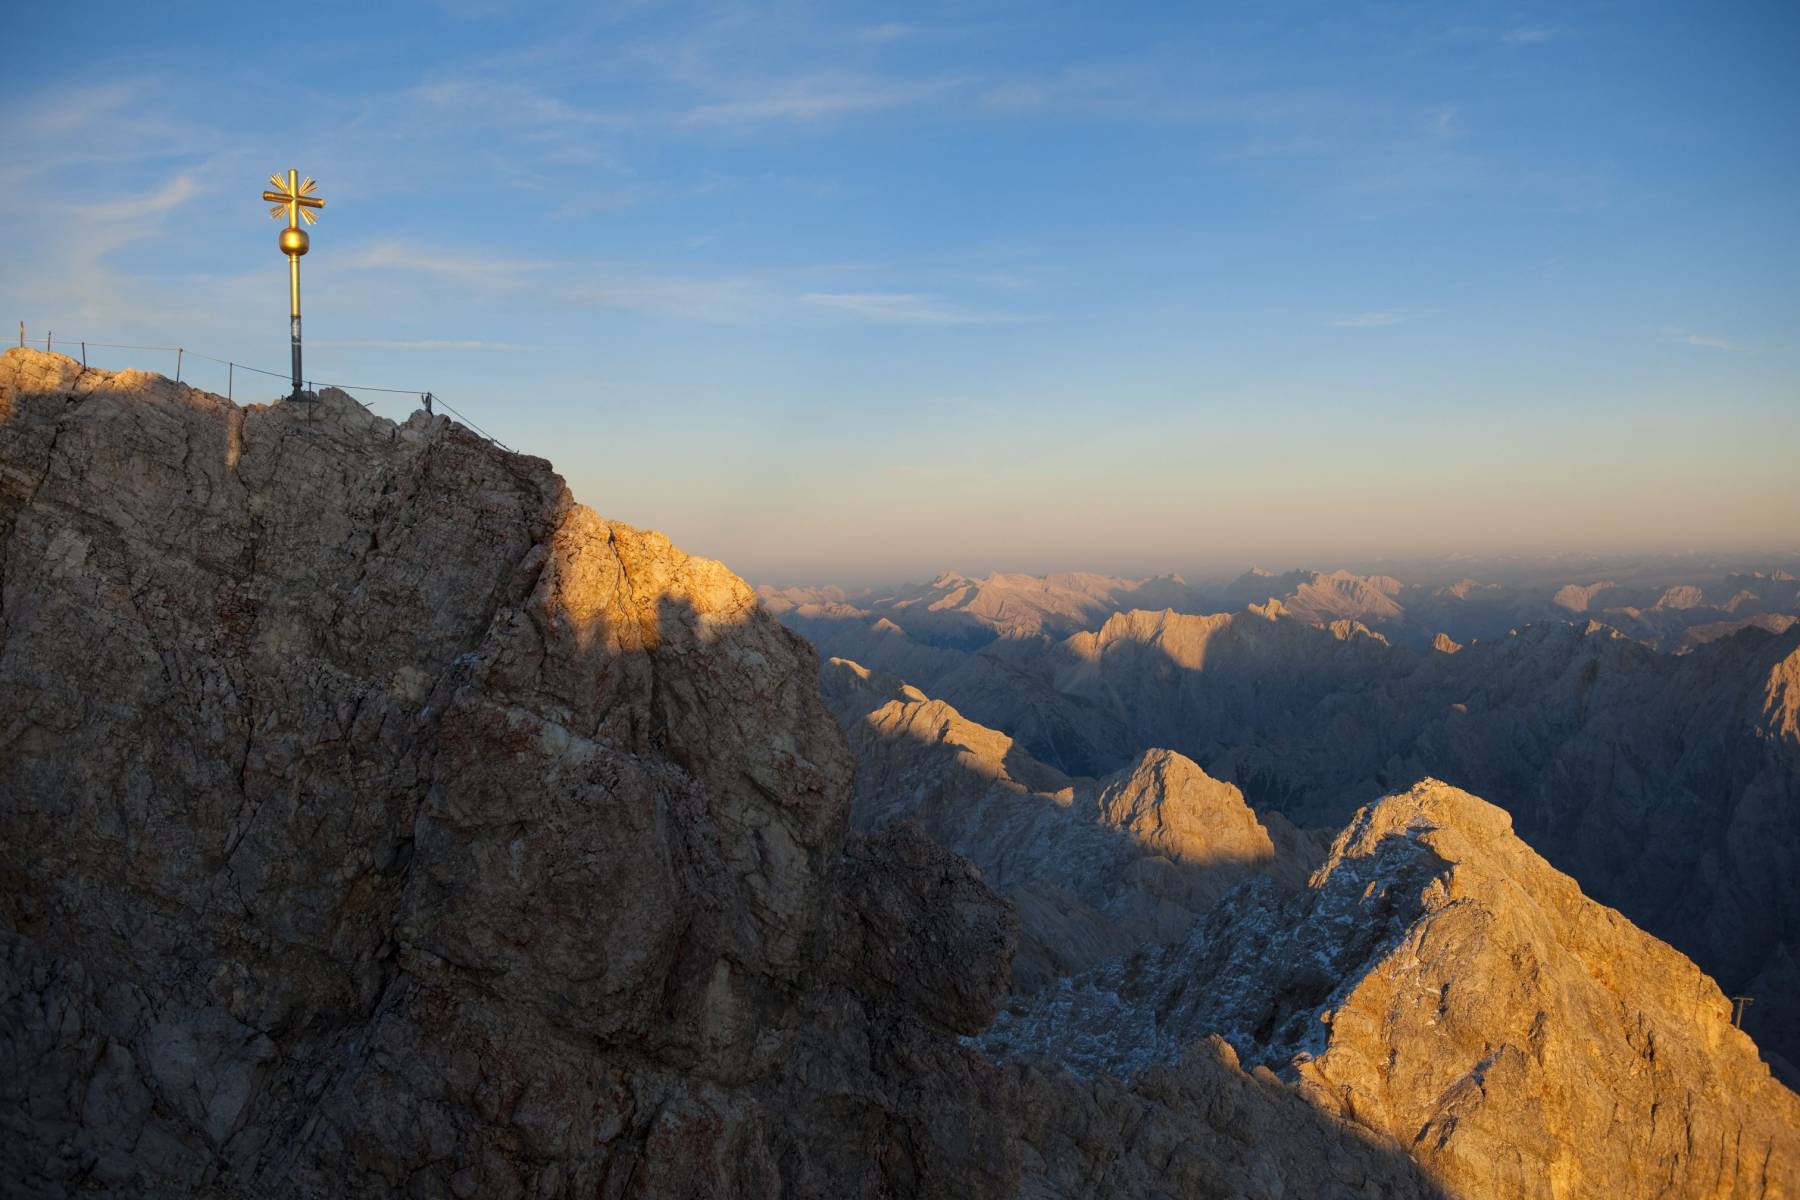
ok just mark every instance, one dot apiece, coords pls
pixel 293 199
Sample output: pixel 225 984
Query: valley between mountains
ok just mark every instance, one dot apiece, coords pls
pixel 375 819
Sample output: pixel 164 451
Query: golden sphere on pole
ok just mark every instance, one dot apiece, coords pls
pixel 294 242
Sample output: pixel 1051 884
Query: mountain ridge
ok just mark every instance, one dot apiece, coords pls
pixel 432 834
pixel 1560 1051
pixel 1668 784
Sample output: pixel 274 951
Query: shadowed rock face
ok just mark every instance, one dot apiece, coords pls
pixel 374 820
pixel 1439 982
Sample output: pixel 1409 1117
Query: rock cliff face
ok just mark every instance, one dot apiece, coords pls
pixel 1441 983
pixel 374 820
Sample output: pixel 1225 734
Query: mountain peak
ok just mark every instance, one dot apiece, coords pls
pixel 1441 984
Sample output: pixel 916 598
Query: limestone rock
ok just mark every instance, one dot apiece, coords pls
pixel 1095 867
pixel 375 821
pixel 1440 983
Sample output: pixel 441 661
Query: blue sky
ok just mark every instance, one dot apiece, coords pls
pixel 845 292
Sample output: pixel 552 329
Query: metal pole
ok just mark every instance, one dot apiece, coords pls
pixel 178 354
pixel 46 339
pixel 294 316
pixel 230 378
pixel 21 335
pixel 84 353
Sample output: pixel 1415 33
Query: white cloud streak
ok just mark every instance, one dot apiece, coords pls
pixel 390 344
pixel 1704 340
pixel 814 101
pixel 1369 320
pixel 1529 35
pixel 901 308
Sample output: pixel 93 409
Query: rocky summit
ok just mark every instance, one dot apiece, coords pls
pixel 375 820
pixel 1439 982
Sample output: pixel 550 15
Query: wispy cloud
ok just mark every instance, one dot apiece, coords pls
pixel 459 268
pixel 389 344
pixel 759 297
pixel 516 104
pixel 1114 88
pixel 175 192
pixel 1706 340
pixel 1370 320
pixel 1528 35
pixel 814 100
pixel 729 301
pixel 887 31
pixel 901 308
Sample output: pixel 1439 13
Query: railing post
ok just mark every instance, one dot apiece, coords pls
pixel 230 378
pixel 21 335
pixel 178 353
pixel 84 354
pixel 46 341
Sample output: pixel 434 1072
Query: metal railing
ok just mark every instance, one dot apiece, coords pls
pixel 431 401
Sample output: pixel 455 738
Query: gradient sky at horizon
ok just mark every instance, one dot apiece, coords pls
pixel 839 294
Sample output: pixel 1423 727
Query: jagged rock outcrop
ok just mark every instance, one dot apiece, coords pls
pixel 1095 867
pixel 1442 984
pixel 1668 785
pixel 374 821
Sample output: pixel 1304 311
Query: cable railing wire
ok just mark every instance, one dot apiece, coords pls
pixel 182 352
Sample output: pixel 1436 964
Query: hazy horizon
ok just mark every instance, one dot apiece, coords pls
pixel 1427 569
pixel 835 297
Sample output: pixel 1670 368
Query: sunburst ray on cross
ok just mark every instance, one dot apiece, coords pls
pixel 294 200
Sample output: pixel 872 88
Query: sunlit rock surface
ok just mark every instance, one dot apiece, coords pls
pixel 376 821
pixel 1441 983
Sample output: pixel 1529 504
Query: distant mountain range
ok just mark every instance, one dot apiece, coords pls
pixel 1669 607
pixel 1667 783
pixel 1424 974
